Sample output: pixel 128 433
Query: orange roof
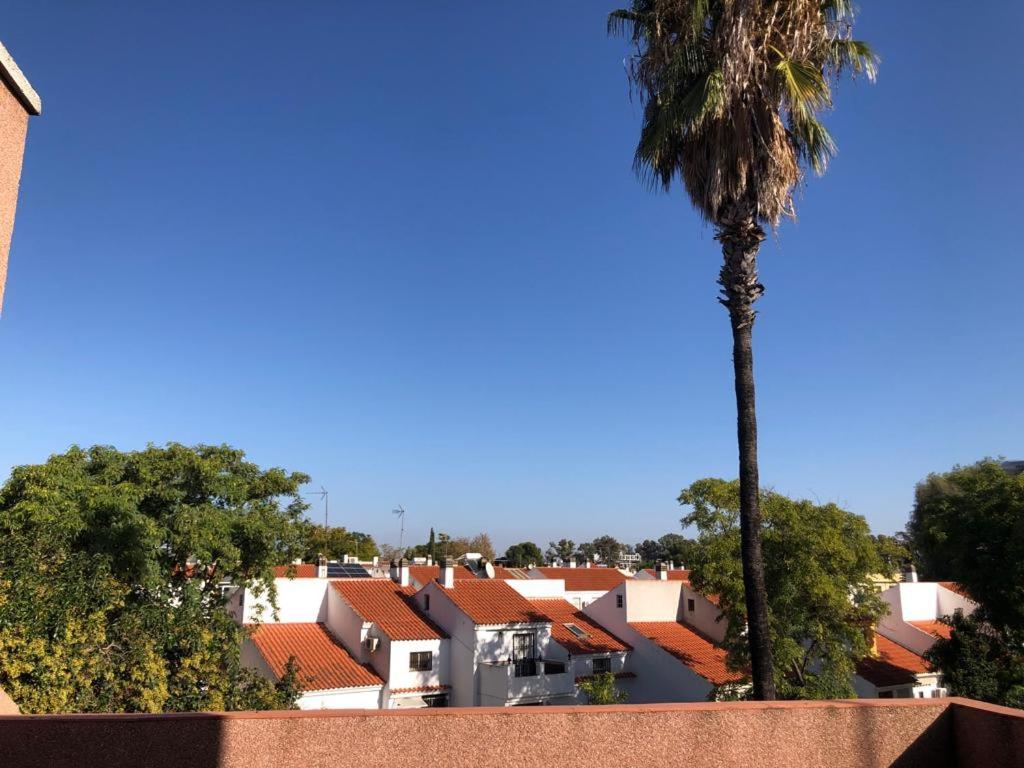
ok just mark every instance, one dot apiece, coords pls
pixel 562 612
pixel 422 689
pixel 300 571
pixel 679 575
pixel 894 664
pixel 503 572
pixel 952 586
pixel 618 676
pixel 690 647
pixel 936 628
pixel 586 579
pixel 322 664
pixel 424 574
pixel 492 601
pixel 389 606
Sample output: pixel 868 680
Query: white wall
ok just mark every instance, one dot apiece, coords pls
pixel 704 616
pixel 400 676
pixel 298 600
pixel 651 600
pixel 950 602
pixel 343 698
pixel 538 588
pixel 461 646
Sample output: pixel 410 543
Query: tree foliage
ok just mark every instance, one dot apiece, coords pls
pixel 523 554
pixel 672 547
pixel 334 542
pixel 967 526
pixel 893 554
pixel 111 567
pixel 818 559
pixel 607 549
pixel 562 550
pixel 600 689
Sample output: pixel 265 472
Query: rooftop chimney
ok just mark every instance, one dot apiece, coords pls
pixel 321 567
pixel 17 102
pixel 910 574
pixel 588 563
pixel 403 573
pixel 661 571
pixel 572 562
pixel 446 575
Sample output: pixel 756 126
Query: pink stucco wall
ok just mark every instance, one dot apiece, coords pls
pixel 841 734
pixel 13 127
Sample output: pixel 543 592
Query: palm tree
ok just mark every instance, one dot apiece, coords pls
pixel 731 91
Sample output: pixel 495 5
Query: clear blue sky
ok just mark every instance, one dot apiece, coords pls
pixel 400 247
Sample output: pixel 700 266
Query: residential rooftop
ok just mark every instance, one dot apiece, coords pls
pixel 572 629
pixel 321 662
pixel 691 647
pixel 585 579
pixel 389 606
pixel 493 602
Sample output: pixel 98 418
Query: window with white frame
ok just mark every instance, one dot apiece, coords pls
pixel 601 665
pixel 421 661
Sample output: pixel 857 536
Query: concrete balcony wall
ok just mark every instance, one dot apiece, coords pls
pixel 840 734
pixel 499 684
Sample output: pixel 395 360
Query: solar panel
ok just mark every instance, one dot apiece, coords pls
pixel 346 571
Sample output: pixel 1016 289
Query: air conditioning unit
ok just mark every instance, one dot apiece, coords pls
pixel 371 644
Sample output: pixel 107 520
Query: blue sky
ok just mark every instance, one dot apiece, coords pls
pixel 400 248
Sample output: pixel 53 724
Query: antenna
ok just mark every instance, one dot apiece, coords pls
pixel 322 493
pixel 401 535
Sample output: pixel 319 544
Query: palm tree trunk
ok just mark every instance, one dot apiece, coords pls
pixel 741 237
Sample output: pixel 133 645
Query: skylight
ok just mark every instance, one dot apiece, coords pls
pixel 576 630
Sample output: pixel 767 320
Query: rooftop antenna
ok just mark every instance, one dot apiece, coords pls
pixel 322 493
pixel 401 535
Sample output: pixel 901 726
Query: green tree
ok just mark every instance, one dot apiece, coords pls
pixel 432 546
pixel 981 662
pixel 731 93
pixel 111 567
pixel 482 543
pixel 523 554
pixel 672 547
pixel 561 550
pixel 587 552
pixel 822 603
pixel 600 689
pixel 335 542
pixel 892 553
pixel 607 549
pixel 966 526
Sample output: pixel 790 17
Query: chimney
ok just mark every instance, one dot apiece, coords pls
pixel 446 575
pixel 403 573
pixel 572 562
pixel 18 101
pixel 910 574
pixel 588 563
pixel 321 567
pixel 430 560
pixel 661 571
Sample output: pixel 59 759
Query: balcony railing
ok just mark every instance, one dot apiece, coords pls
pixel 524 679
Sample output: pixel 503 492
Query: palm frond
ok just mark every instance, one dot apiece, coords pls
pixel 804 88
pixel 853 56
pixel 813 143
pixel 625 23
pixel 838 10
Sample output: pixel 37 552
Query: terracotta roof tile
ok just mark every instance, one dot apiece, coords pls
pixel 894 665
pixel 300 571
pixel 424 574
pixel 423 689
pixel 389 606
pixel 562 612
pixel 322 664
pixel 677 575
pixel 492 601
pixel 586 579
pixel 618 676
pixel 690 647
pixel 503 572
pixel 936 628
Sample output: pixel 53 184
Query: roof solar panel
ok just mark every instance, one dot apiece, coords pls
pixel 346 571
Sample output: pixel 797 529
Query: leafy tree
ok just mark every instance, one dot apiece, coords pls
pixel 892 553
pixel 600 689
pixel 561 550
pixel 335 542
pixel 672 547
pixel 389 552
pixel 432 546
pixel 523 554
pixel 981 662
pixel 731 92
pixel 111 566
pixel 821 600
pixel 967 525
pixel 482 543
pixel 607 549
pixel 587 552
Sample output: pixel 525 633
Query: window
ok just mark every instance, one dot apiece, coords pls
pixel 885 694
pixel 618 601
pixel 426 601
pixel 421 661
pixel 436 700
pixel 576 631
pixel 602 665
pixel 690 605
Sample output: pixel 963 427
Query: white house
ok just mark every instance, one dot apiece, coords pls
pixel 582 585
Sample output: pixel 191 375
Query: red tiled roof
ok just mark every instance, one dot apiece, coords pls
pixel 389 606
pixel 952 586
pixel 679 575
pixel 322 664
pixel 586 579
pixel 300 571
pixel 894 665
pixel 492 601
pixel 503 572
pixel 936 628
pixel 424 574
pixel 562 612
pixel 423 689
pixel 690 647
